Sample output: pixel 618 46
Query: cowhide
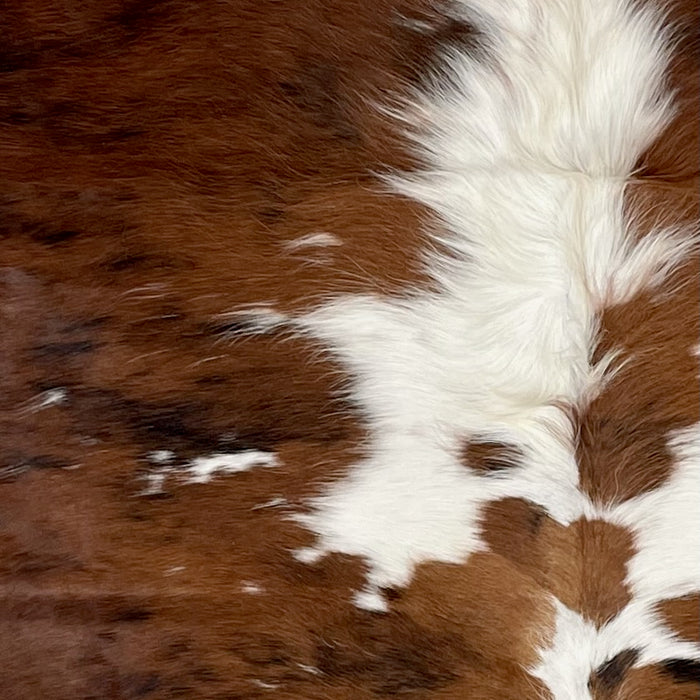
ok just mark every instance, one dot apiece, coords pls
pixel 349 349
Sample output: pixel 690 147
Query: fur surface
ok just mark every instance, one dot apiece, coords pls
pixel 350 350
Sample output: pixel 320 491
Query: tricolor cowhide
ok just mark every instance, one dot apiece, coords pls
pixel 349 349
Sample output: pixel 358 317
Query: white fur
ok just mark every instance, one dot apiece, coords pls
pixel 201 469
pixel 161 456
pixel 46 399
pixel 527 154
pixel 259 318
pixel 155 481
pixel 320 240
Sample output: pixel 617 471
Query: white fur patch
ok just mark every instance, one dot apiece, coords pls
pixel 202 469
pixel 155 482
pixel 46 399
pixel 527 153
pixel 161 456
pixel 252 588
pixel 314 240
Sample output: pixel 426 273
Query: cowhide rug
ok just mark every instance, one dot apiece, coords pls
pixel 349 350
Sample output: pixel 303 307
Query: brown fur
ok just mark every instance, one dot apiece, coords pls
pixel 682 615
pixel 488 457
pixel 623 433
pixel 584 565
pixel 669 680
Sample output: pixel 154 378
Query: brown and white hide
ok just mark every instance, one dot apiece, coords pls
pixel 349 350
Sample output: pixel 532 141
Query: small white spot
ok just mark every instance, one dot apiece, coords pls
pixel 309 669
pixel 308 555
pixel 322 240
pixel 264 684
pixel 202 469
pixel 13 470
pixel 272 503
pixel 155 479
pixel 252 588
pixel 53 397
pixel 414 24
pixel 174 570
pixel 48 398
pixel 161 456
pixel 155 482
pixel 87 440
pixel 370 599
pixel 257 319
